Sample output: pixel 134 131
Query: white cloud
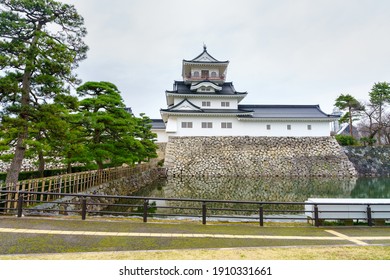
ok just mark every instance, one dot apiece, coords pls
pixel 281 52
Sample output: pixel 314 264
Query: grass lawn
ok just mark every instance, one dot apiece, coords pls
pixel 16 246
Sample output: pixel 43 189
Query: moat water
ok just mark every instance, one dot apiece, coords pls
pixel 267 189
pixel 259 190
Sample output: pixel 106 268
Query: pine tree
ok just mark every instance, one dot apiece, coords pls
pixel 41 43
pixel 112 135
pixel 347 101
pixel 379 96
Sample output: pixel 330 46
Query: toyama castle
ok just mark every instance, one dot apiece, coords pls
pixel 205 104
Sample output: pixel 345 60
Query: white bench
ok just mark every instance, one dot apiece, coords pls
pixel 348 208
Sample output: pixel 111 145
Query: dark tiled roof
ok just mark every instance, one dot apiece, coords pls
pixel 197 59
pixel 180 87
pixel 209 111
pixel 286 111
pixel 158 124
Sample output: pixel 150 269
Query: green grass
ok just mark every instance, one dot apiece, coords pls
pixel 13 244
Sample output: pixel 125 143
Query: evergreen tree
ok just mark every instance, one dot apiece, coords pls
pixel 41 43
pixel 52 131
pixel 146 136
pixel 347 101
pixel 380 95
pixel 112 135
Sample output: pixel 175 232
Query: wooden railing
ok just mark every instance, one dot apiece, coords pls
pixel 68 183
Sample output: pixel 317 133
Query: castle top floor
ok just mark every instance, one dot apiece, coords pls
pixel 204 67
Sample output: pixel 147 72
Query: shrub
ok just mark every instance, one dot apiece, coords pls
pixel 346 140
pixel 367 141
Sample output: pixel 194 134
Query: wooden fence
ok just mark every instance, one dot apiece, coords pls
pixel 69 183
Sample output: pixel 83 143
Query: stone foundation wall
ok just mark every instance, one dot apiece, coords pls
pixel 370 161
pixel 256 156
pixel 161 150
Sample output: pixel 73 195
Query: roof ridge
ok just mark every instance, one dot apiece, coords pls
pixel 185 100
pixel 209 55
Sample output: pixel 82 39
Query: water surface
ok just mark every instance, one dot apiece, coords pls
pixel 268 189
pixel 258 190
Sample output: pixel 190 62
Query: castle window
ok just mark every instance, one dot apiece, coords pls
pixel 225 104
pixel 268 127
pixel 226 125
pixel 207 125
pixel 309 127
pixel 213 74
pixel 289 127
pixel 186 125
pixel 206 103
pixel 196 74
pixel 205 74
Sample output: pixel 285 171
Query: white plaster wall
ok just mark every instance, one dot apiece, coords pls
pixel 171 125
pixel 246 128
pixel 162 136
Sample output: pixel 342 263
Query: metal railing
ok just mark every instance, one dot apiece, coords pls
pixel 99 205
pixel 202 78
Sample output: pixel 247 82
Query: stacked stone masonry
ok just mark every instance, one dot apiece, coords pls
pixel 370 161
pixel 256 156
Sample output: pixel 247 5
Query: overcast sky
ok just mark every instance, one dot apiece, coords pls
pixel 280 51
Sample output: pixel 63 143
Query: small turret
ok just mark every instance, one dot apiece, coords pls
pixel 204 67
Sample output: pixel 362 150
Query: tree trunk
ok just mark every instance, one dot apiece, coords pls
pixel 16 164
pixel 41 159
pixel 380 125
pixel 100 164
pixel 350 122
pixel 20 149
pixel 69 168
pixel 41 166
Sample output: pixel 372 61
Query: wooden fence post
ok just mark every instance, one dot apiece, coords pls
pixel 261 215
pixel 83 208
pixel 146 208
pixel 316 219
pixel 20 204
pixel 369 216
pixel 204 212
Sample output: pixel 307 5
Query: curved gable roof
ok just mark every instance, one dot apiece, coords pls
pixel 205 57
pixel 186 105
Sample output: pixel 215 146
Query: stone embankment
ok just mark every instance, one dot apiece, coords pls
pixel 282 189
pixel 257 156
pixel 370 161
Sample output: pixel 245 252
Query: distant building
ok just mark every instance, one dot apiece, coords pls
pixel 345 129
pixel 204 104
pixel 129 110
pixel 335 125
